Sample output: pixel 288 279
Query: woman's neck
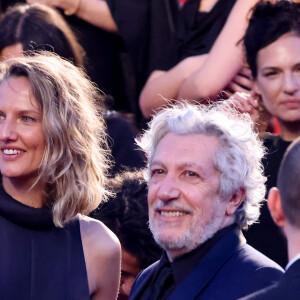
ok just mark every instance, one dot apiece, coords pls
pixel 23 191
pixel 289 130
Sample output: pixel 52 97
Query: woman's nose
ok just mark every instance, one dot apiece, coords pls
pixel 291 83
pixel 7 130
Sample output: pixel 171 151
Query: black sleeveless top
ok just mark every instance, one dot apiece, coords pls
pixel 39 261
pixel 197 31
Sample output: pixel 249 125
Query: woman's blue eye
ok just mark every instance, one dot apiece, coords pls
pixel 27 119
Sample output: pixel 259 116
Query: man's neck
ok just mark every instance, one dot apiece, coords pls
pixel 293 239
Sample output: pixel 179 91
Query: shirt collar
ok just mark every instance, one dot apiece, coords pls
pixel 292 261
pixel 182 265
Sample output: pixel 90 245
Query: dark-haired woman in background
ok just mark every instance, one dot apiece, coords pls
pixel 37 27
pixel 272 43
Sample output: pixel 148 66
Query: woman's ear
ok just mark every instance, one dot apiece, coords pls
pixel 235 201
pixel 275 207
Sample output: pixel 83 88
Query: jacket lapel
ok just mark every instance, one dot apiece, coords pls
pixel 208 266
pixel 142 281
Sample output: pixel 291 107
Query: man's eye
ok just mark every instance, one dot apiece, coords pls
pixel 157 172
pixel 191 174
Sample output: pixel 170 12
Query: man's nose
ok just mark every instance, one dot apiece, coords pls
pixel 8 130
pixel 168 189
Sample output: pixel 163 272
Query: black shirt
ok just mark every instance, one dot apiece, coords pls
pixel 182 265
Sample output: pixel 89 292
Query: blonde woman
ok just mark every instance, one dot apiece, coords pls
pixel 53 165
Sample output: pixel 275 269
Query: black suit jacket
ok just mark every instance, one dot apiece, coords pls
pixel 287 288
pixel 230 270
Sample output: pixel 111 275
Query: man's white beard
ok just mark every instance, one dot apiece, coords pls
pixel 195 235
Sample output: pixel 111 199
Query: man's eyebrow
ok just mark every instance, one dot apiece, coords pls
pixel 156 162
pixel 181 166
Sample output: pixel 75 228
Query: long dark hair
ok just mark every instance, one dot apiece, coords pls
pixel 39 27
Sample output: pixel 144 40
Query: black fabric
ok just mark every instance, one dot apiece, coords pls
pixel 22 215
pixel 197 31
pixel 103 61
pixel 38 260
pixel 266 236
pixel 286 288
pixel 276 148
pixel 220 274
pixel 125 152
pixel 162 281
pixel 147 29
pixel 182 265
pixel 167 287
pixel 185 263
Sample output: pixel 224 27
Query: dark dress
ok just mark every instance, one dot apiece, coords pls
pixel 147 28
pixel 266 236
pixel 39 261
pixel 103 61
pixel 197 31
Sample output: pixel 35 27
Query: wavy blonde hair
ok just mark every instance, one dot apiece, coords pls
pixel 74 165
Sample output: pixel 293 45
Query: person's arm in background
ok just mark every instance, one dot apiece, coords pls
pixel 95 12
pixel 163 86
pixel 208 77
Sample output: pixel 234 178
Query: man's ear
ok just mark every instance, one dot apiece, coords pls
pixel 275 207
pixel 235 201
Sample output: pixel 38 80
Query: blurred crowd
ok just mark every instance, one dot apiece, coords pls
pixel 143 57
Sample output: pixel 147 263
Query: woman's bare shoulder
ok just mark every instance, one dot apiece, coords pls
pixel 97 234
pixel 102 252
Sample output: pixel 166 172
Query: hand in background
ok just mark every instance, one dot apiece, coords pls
pixel 95 12
pixel 242 82
pixel 252 104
